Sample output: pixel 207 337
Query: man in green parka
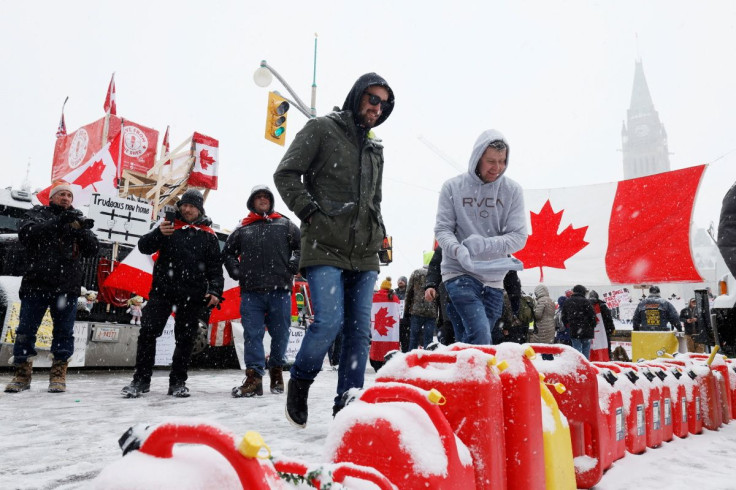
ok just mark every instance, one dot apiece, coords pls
pixel 330 177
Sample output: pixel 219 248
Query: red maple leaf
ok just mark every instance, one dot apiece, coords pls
pixel 545 247
pixel 91 175
pixel 205 160
pixel 383 321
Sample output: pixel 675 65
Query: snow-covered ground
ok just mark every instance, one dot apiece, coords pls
pixel 50 441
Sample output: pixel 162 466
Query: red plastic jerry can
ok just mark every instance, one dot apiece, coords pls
pixel 634 406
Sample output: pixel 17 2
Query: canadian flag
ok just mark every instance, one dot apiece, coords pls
pixel 630 232
pixel 385 315
pixel 206 162
pixel 599 345
pixel 110 105
pixel 165 147
pixel 96 176
pixel 135 274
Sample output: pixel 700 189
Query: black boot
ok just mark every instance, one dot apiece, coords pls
pixel 135 388
pixel 296 401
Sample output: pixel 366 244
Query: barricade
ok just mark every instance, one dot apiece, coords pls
pixel 652 401
pixel 675 380
pixel 633 404
pixel 474 408
pixel 611 404
pixel 579 403
pixel 692 383
pixel 412 444
pixel 522 415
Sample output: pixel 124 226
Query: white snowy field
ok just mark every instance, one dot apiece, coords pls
pixel 62 441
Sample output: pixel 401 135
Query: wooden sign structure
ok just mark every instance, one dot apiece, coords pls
pixel 165 181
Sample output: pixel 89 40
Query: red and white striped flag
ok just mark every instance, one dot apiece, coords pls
pixel 61 130
pixel 165 147
pixel 634 231
pixel 110 106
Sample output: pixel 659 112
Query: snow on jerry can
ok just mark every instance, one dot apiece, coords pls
pixel 396 429
pixel 633 405
pixel 474 407
pixel 717 364
pixel 321 475
pixel 522 414
pixel 611 405
pixel 579 403
pixel 675 380
pixel 692 383
pixel 559 468
pixel 652 401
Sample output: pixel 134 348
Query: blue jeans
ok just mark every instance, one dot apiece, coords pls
pixel 342 301
pixel 417 322
pixel 457 322
pixel 478 306
pixel 272 308
pixel 33 306
pixel 582 346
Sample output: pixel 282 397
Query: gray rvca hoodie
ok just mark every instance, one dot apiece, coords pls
pixel 468 206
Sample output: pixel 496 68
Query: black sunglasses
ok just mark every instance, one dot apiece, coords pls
pixel 373 99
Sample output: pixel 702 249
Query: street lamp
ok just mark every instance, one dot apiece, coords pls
pixel 263 77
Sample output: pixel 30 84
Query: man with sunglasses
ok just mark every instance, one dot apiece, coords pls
pixel 331 177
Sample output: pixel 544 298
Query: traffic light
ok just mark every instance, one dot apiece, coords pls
pixel 276 118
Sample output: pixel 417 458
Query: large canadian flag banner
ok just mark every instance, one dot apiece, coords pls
pixel 95 176
pixel 206 162
pixel 629 232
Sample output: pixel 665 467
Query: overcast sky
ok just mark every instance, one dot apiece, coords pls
pixel 555 77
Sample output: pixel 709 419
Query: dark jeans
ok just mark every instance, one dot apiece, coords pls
pixel 257 309
pixel 153 322
pixel 33 306
pixel 478 306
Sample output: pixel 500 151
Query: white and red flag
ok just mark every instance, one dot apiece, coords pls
pixel 385 315
pixel 165 147
pixel 599 344
pixel 206 162
pixel 135 274
pixel 95 176
pixel 61 130
pixel 110 105
pixel 629 232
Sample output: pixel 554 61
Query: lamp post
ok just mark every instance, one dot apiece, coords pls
pixel 263 76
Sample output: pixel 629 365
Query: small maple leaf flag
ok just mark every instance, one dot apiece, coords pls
pixel 96 176
pixel 385 314
pixel 631 232
pixel 110 106
pixel 204 172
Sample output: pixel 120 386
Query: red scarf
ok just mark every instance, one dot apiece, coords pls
pixel 253 217
pixel 179 225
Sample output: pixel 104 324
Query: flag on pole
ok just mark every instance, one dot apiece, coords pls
pixel 96 175
pixel 206 162
pixel 630 232
pixel 165 147
pixel 110 106
pixel 61 130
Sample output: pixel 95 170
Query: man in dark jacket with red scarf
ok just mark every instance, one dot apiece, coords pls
pixel 263 255
pixel 187 279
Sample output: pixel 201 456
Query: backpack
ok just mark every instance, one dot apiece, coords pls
pixel 526 310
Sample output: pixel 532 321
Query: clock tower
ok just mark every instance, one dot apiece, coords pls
pixel 643 135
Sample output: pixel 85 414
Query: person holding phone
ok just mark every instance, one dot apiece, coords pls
pixel 187 278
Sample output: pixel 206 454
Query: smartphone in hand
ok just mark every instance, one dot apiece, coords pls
pixel 170 216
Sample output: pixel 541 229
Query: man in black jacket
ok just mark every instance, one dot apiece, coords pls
pixel 579 318
pixel 187 279
pixel 263 254
pixel 56 237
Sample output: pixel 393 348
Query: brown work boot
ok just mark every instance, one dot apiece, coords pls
pixel 277 379
pixel 57 376
pixel 252 385
pixel 22 379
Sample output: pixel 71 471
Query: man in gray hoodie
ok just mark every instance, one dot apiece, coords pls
pixel 480 221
